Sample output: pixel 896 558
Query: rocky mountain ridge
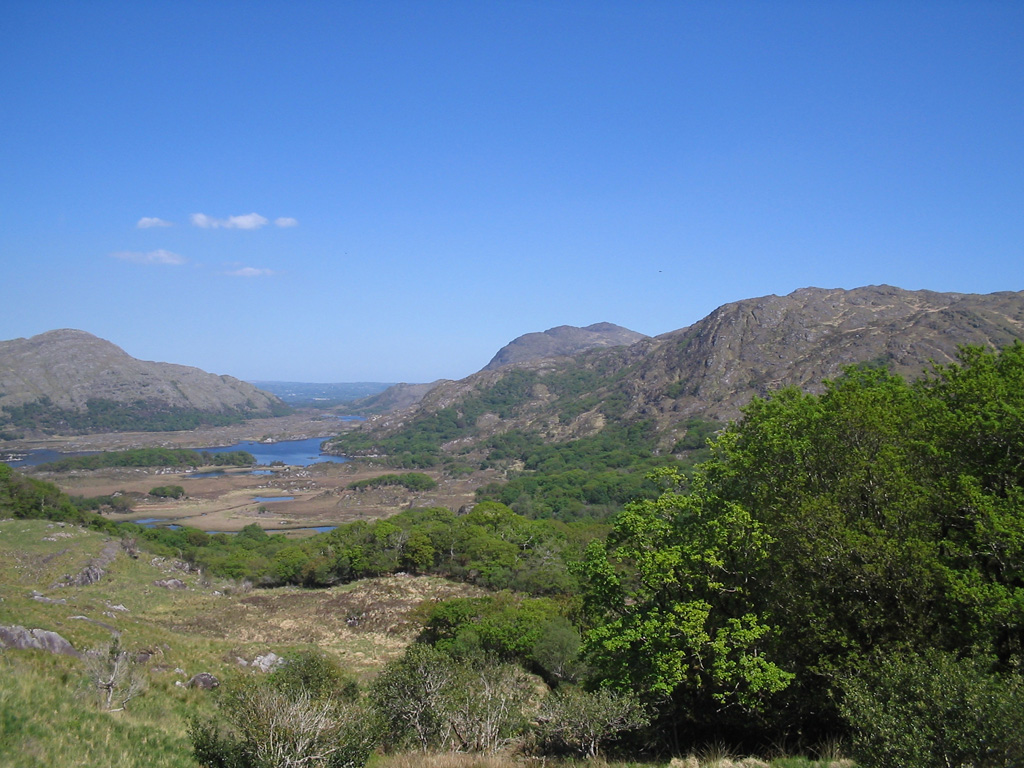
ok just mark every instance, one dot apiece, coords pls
pixel 748 348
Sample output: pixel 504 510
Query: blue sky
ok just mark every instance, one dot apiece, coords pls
pixel 391 191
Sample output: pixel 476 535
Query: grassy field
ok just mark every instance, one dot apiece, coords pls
pixel 49 712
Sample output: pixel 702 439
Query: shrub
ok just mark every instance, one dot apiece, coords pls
pixel 579 722
pixel 268 723
pixel 167 491
pixel 935 711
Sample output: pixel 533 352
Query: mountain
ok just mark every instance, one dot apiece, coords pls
pixel 710 369
pixel 69 380
pixel 563 340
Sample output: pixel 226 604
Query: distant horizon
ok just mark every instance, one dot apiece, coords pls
pixel 392 191
pixel 387 383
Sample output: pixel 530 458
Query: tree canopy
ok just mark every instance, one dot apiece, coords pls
pixel 879 517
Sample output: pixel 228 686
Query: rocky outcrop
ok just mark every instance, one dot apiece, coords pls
pixel 20 638
pixel 204 681
pixel 94 570
pixel 563 340
pixel 170 584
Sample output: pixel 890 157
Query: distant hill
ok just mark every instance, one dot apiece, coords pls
pixel 563 340
pixel 710 369
pixel 68 381
pixel 395 398
pixel 298 393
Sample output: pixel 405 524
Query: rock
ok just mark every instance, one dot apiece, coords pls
pixel 36 639
pixel 170 584
pixel 40 598
pixel 88 575
pixel 267 662
pixel 203 680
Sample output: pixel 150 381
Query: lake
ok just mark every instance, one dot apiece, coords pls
pixel 295 453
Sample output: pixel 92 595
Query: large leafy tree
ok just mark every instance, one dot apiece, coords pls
pixel 876 516
pixel 669 595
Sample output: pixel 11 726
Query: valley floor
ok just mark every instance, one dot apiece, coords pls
pixel 317 495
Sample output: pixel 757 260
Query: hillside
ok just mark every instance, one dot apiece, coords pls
pixel 563 341
pixel 710 369
pixel 176 623
pixel 69 381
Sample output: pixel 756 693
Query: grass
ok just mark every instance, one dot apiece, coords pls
pixel 711 757
pixel 46 719
pixel 48 711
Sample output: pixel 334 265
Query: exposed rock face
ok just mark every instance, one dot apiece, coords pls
pixel 755 346
pixel 741 350
pixel 71 367
pixel 563 340
pixel 35 639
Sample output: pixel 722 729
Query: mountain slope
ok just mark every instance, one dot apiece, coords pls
pixel 710 369
pixel 66 373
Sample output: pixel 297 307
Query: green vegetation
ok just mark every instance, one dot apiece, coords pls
pixel 112 416
pixel 414 481
pixel 151 457
pixel 843 568
pixel 586 479
pixel 878 519
pixel 167 492
pixel 303 714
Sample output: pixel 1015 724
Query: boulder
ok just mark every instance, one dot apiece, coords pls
pixel 36 639
pixel 203 680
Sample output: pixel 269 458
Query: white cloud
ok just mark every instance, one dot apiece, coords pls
pixel 153 221
pixel 286 221
pixel 250 272
pixel 247 221
pixel 150 257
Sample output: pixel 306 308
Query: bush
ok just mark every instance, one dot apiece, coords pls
pixel 428 700
pixel 579 722
pixel 935 711
pixel 274 724
pixel 315 673
pixel 167 491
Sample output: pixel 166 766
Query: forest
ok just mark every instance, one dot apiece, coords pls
pixel 846 565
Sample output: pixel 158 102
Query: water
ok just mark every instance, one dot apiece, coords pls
pixel 295 453
pixel 155 522
pixel 273 498
pixel 38 456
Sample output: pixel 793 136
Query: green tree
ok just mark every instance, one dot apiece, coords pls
pixel 669 594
